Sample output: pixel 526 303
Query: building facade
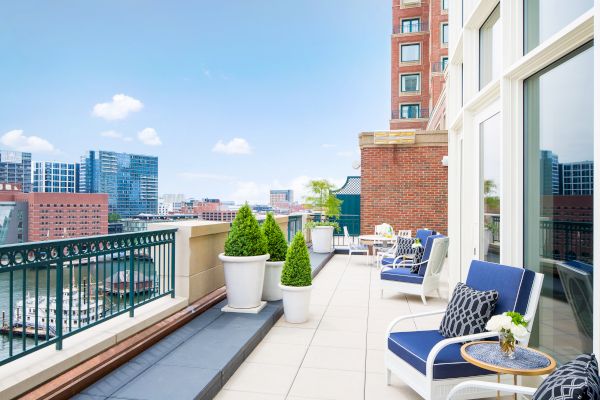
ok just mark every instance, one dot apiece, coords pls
pixel 522 119
pixel 15 168
pixel 55 177
pixel 130 180
pixel 277 197
pixel 419 59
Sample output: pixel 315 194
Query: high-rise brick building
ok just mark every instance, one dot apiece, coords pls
pixel 419 59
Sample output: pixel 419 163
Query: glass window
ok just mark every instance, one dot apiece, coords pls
pixel 444 33
pixel 489 48
pixel 543 18
pixel 444 63
pixel 410 52
pixel 408 111
pixel 558 217
pixel 490 132
pixel 410 25
pixel 444 4
pixel 410 83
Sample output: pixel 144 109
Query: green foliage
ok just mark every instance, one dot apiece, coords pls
pixel 245 238
pixel 114 217
pixel 322 200
pixel 313 224
pixel 296 270
pixel 517 318
pixel 276 243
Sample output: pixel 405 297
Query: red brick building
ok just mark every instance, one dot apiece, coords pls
pixel 62 215
pixel 419 57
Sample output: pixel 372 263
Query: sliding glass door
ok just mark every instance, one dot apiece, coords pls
pixel 558 200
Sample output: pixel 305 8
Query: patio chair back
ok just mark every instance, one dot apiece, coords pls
pixel 347 236
pixel 435 253
pixel 519 288
pixel 423 234
pixel 384 229
pixel 405 233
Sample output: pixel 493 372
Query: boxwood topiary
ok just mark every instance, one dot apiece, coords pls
pixel 276 243
pixel 296 270
pixel 245 238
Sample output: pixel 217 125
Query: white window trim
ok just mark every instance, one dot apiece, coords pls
pixel 408 93
pixel 418 62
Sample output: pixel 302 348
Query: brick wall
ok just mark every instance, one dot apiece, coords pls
pixel 404 186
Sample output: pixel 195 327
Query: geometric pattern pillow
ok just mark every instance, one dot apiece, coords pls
pixel 417 259
pixel 468 311
pixel 404 246
pixel 577 379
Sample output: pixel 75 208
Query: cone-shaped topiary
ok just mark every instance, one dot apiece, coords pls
pixel 245 238
pixel 296 270
pixel 276 243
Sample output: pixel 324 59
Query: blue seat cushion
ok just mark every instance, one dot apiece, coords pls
pixel 400 275
pixel 513 284
pixel 423 234
pixel 387 261
pixel 414 347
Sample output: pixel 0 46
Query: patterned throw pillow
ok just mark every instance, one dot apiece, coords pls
pixel 468 311
pixel 404 246
pixel 576 380
pixel 418 258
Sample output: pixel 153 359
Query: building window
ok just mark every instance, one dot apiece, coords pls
pixel 558 225
pixel 489 48
pixel 411 25
pixel 444 4
pixel 444 63
pixel 410 83
pixel 490 132
pixel 410 52
pixel 543 18
pixel 409 111
pixel 444 33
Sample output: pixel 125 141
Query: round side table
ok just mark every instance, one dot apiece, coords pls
pixel 527 362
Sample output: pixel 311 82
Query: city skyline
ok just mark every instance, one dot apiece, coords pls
pixel 218 111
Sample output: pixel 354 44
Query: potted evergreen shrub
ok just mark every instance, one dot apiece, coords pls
pixel 277 248
pixel 325 202
pixel 244 261
pixel 296 281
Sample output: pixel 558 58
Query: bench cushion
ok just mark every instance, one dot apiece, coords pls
pixel 414 347
pixel 400 275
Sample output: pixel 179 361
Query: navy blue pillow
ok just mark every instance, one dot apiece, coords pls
pixel 576 380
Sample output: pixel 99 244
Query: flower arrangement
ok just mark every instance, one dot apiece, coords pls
pixel 511 326
pixel 417 243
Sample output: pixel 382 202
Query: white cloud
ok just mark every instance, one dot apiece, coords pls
pixel 116 135
pixel 149 137
pixel 204 176
pixel 119 108
pixel 16 140
pixel 328 146
pixel 251 192
pixel 234 146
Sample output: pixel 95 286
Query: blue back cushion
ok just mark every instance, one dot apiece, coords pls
pixel 423 234
pixel 427 252
pixel 513 284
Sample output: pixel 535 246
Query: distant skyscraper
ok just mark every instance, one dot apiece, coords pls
pixel 130 180
pixel 15 167
pixel 281 196
pixel 56 177
pixel 577 178
pixel 549 170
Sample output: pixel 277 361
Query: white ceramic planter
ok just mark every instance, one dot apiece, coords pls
pixel 296 301
pixel 271 290
pixel 322 239
pixel 487 240
pixel 244 278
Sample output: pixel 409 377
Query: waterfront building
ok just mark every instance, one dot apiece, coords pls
pixel 15 168
pixel 55 177
pixel 130 180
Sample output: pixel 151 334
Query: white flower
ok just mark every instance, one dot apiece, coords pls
pixel 499 322
pixel 519 331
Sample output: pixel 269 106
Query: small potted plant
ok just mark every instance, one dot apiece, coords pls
pixel 296 281
pixel 325 202
pixel 277 248
pixel 511 326
pixel 244 261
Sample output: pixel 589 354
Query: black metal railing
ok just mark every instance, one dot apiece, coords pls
pixel 439 66
pixel 54 289
pixel 565 240
pixel 411 28
pixel 411 114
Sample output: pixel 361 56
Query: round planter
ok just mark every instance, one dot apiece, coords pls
pixel 296 301
pixel 271 290
pixel 322 239
pixel 244 280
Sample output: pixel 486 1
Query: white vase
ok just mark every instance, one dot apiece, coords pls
pixel 296 302
pixel 244 277
pixel 271 290
pixel 322 239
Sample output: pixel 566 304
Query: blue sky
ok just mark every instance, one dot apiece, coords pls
pixel 234 97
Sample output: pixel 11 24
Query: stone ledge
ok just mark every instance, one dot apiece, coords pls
pixel 422 138
pixel 30 371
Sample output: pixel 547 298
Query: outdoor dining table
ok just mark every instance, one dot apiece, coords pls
pixel 370 240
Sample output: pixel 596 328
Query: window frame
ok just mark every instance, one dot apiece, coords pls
pixel 410 21
pixel 418 75
pixel 418 60
pixel 442 25
pixel 418 105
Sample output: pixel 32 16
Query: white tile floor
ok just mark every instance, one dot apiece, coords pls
pixel 338 353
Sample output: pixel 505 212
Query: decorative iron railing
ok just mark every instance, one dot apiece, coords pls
pixel 566 240
pixel 408 28
pixel 52 290
pixel 411 114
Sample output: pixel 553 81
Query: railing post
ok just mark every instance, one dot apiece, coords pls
pixel 59 299
pixel 131 278
pixel 173 265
